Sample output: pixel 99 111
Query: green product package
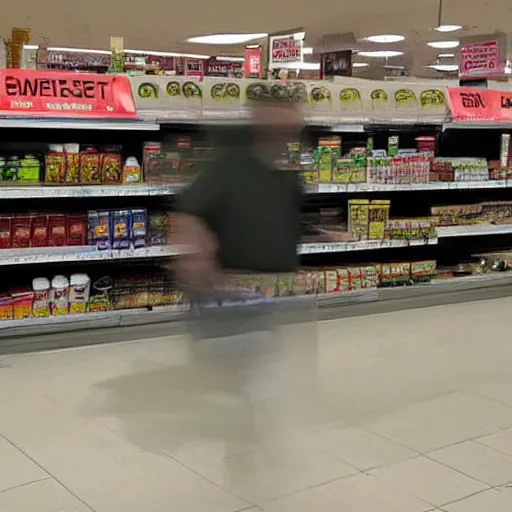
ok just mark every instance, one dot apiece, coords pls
pixel 29 169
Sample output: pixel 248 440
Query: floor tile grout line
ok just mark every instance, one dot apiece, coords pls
pixel 53 477
pixel 508 406
pixel 202 477
pixel 14 487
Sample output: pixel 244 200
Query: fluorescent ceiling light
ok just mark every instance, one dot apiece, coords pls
pixel 67 50
pixel 307 50
pixel 448 28
pixel 389 66
pixel 381 53
pixel 231 59
pixel 385 38
pixel 446 56
pixel 443 44
pixel 306 66
pixel 226 38
pixel 444 67
pixel 360 64
pixel 166 54
pixel 299 36
pixel 78 50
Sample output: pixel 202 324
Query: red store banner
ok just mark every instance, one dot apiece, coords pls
pixel 479 59
pixel 62 94
pixel 480 105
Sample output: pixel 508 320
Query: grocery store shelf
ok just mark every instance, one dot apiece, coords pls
pixel 332 188
pixel 171 317
pixel 475 230
pixel 38 255
pixel 477 125
pixel 77 124
pixel 96 320
pixel 18 336
pixel 363 245
pixel 44 191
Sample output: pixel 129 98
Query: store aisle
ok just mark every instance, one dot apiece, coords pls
pixel 401 412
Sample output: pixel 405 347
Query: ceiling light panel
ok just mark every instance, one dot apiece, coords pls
pixel 360 64
pixel 443 44
pixel 444 67
pixel 448 28
pixel 381 53
pixel 226 38
pixel 385 38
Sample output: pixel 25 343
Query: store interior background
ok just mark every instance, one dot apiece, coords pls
pixel 165 26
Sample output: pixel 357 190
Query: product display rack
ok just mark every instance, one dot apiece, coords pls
pixel 159 121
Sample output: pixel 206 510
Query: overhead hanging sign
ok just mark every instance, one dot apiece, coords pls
pixel 479 59
pixel 480 105
pixel 284 49
pixel 61 94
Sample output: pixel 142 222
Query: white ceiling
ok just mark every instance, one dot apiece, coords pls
pixel 165 24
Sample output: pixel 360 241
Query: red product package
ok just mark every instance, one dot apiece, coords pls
pixel 39 230
pixel 76 229
pixel 21 232
pixel 57 230
pixel 5 232
pixel 90 168
pixel 72 168
pixel 55 167
pixel 111 168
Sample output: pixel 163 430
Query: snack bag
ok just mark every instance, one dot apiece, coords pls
pixel 90 171
pixel 79 290
pixel 344 280
pixel 59 296
pixel 139 227
pixel 111 168
pixel 5 232
pixel 55 167
pixel 22 301
pixel 41 302
pixel 21 232
pixel 57 234
pixel 6 310
pixel 356 278
pixel 121 233
pixel 29 169
pixel 76 229
pixel 100 231
pixel 331 281
pixel 370 276
pixel 39 231
pixel 158 228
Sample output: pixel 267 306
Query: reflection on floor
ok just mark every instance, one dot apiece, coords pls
pixel 398 412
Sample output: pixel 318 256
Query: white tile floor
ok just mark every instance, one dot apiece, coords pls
pixel 403 412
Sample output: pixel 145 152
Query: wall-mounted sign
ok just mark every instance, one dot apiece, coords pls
pixel 284 49
pixel 479 59
pixel 253 63
pixel 61 94
pixel 336 64
pixel 194 68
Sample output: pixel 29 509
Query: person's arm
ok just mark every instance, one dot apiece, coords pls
pixel 193 227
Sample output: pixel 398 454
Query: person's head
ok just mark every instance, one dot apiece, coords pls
pixel 276 123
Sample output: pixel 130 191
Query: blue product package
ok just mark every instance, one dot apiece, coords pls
pixel 121 229
pixel 139 227
pixel 100 232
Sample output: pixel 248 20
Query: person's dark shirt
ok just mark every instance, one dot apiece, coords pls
pixel 253 210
